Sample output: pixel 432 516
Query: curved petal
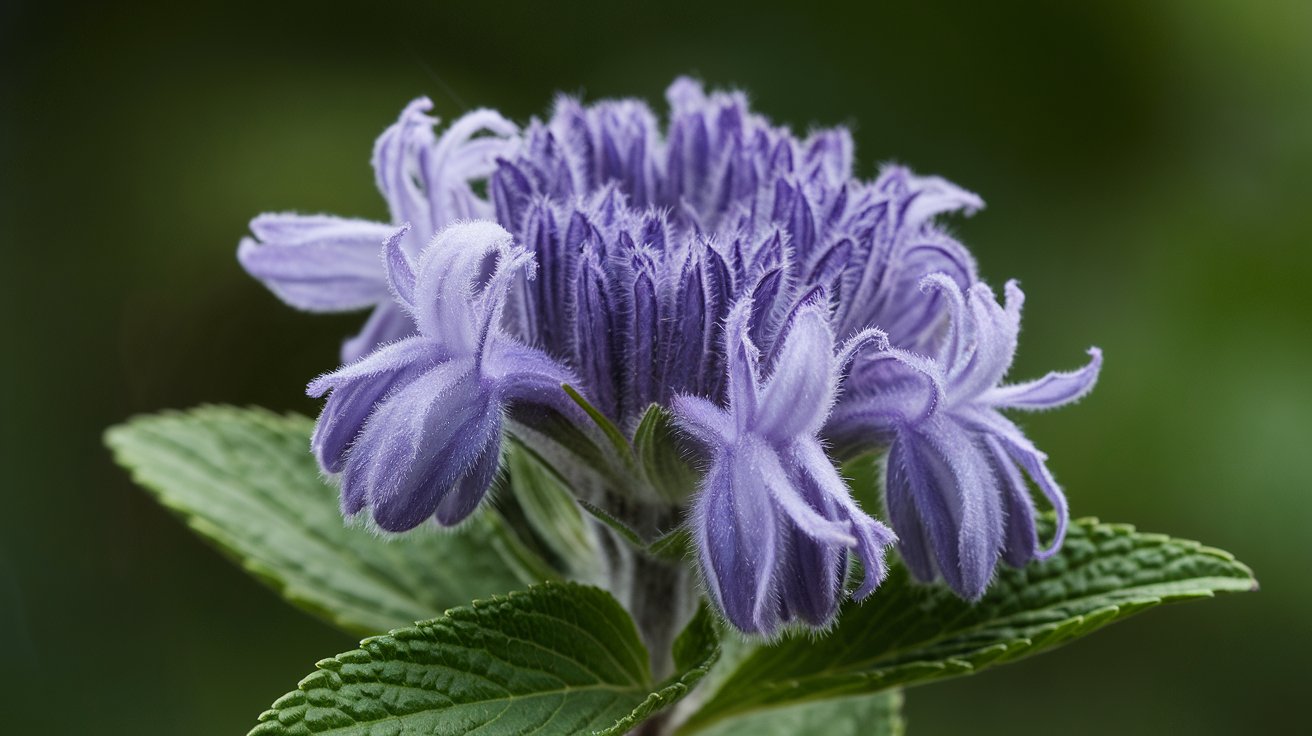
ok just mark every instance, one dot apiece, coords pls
pixel 997 331
pixel 420 442
pixel 450 271
pixel 738 544
pixel 797 396
pixel 386 324
pixel 704 421
pixel 317 263
pixel 1035 463
pixel 939 468
pixel 1058 388
pixel 871 537
pixel 1020 537
pixel 396 264
pixel 741 363
pixel 884 391
pixel 399 170
pixel 461 501
pixel 768 474
pixel 386 360
pixel 344 415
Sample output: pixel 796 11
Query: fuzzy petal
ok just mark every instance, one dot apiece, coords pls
pixel 386 324
pixel 419 443
pixel 461 501
pixel 448 277
pixel 738 542
pixel 708 423
pixel 317 263
pixel 798 394
pixel 943 473
pixel 1056 389
pixel 871 537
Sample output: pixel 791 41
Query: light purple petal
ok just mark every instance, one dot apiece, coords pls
pixel 384 361
pixel 386 324
pixel 956 498
pixel 742 365
pixel 1021 540
pixel 448 277
pixel 1035 463
pixel 738 539
pixel 708 423
pixel 419 443
pixel 1058 388
pixel 871 537
pixel 400 273
pixel 461 501
pixel 317 263
pixel 798 394
pixel 768 474
pixel 399 168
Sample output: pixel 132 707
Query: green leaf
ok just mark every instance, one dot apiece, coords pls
pixel 909 633
pixel 662 457
pixel 560 658
pixel 673 545
pixel 695 652
pixel 245 480
pixel 619 443
pixel 623 530
pixel 550 508
pixel 879 714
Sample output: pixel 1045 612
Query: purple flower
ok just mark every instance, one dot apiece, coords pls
pixel 322 263
pixel 774 521
pixel 954 485
pixel 415 427
pixel 709 266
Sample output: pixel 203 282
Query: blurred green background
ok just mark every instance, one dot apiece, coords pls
pixel 1148 169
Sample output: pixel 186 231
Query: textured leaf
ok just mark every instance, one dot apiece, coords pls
pixel 908 633
pixel 695 651
pixel 245 480
pixel 879 714
pixel 560 658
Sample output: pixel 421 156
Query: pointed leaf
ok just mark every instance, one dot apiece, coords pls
pixel 550 508
pixel 245 480
pixel 908 633
pixel 657 447
pixel 559 658
pixel 879 714
pixel 695 651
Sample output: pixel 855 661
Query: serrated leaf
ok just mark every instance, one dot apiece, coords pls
pixel 879 714
pixel 909 633
pixel 560 658
pixel 695 651
pixel 245 480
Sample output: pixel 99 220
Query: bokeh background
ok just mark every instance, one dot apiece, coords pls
pixel 1148 172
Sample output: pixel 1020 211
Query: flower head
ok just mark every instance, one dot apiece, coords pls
pixel 323 263
pixel 709 266
pixel 774 521
pixel 415 427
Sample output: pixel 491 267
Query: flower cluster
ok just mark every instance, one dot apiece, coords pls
pixel 718 266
